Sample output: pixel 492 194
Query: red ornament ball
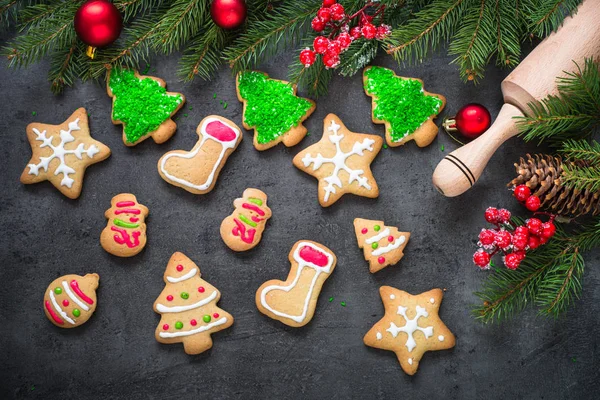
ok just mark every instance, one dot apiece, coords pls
pixel 533 203
pixel 228 14
pixel 98 23
pixel 472 120
pixel 522 192
pixel 307 57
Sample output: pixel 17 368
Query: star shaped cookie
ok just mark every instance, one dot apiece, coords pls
pixel 61 153
pixel 410 327
pixel 341 162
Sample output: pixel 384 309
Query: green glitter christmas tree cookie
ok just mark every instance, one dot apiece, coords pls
pixel 272 108
pixel 143 106
pixel 402 104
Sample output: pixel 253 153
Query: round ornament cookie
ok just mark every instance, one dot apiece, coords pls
pixel 71 300
pixel 243 229
pixel 125 232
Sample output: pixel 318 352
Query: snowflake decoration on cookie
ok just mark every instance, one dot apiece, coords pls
pixel 411 326
pixel 364 146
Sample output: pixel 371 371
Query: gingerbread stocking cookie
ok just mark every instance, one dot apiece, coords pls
pixel 125 232
pixel 293 301
pixel 243 229
pixel 410 327
pixel 188 307
pixel 197 170
pixel 71 300
pixel 61 153
pixel 382 245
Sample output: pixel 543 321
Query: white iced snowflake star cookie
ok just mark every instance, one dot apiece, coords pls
pixel 61 153
pixel 410 327
pixel 341 162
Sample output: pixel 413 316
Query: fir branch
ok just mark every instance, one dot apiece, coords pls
pixel 181 21
pixel 546 16
pixel 314 79
pixel 582 150
pixel 203 57
pixel 10 9
pixel 63 67
pixel 263 39
pixel 132 8
pixel 508 32
pixel 358 56
pixel 581 177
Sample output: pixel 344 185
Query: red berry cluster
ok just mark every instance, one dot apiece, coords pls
pixel 514 242
pixel 332 15
pixel 523 194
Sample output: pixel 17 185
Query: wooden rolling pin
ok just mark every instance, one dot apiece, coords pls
pixel 533 79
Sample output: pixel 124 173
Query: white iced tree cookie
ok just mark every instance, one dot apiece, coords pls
pixel 382 245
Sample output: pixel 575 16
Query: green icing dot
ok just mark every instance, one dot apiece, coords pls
pixel 376 228
pixel 141 104
pixel 401 102
pixel 272 108
pixel 185 295
pixel 178 325
pixel 57 290
pixel 76 312
pixel 374 245
pixel 206 318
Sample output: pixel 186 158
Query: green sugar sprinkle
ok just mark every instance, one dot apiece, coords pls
pixel 140 104
pixel 272 108
pixel 214 96
pixel 34 113
pixel 330 299
pixel 185 115
pixel 442 147
pixel 343 304
pixel 385 146
pixel 399 101
pixel 225 106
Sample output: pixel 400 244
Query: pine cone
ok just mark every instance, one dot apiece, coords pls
pixel 543 175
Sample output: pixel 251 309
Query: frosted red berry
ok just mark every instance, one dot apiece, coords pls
pixel 492 215
pixel 334 48
pixel 548 229
pixel 355 32
pixel 331 60
pixel 324 14
pixel 522 192
pixel 543 240
pixel 328 3
pixel 320 44
pixel 368 30
pixel 486 237
pixel 317 24
pixel 532 203
pixel 337 12
pixel 522 230
pixel 504 215
pixel 382 31
pixel 512 261
pixel 534 242
pixel 519 241
pixel 307 57
pixel 481 258
pixel 520 254
pixel 535 226
pixel 344 39
pixel 503 239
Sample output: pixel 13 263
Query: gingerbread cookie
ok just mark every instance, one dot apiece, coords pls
pixel 197 170
pixel 71 300
pixel 125 232
pixel 382 245
pixel 403 106
pixel 61 153
pixel 293 301
pixel 143 106
pixel 272 108
pixel 341 159
pixel 243 229
pixel 410 327
pixel 188 307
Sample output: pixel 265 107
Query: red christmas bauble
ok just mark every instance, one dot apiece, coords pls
pixel 470 121
pixel 98 23
pixel 228 14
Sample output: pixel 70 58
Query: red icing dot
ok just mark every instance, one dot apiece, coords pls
pixel 364 230
pixel 390 238
pixel 65 302
pixel 166 327
pixel 201 289
pixel 216 315
pixel 170 298
pixel 180 268
pixel 381 260
pixel 193 322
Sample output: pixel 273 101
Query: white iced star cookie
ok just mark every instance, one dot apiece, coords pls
pixel 61 153
pixel 410 327
pixel 341 162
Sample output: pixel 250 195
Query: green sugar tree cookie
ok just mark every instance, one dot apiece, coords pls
pixel 402 104
pixel 272 108
pixel 143 106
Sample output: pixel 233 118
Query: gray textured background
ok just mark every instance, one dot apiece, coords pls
pixel 114 355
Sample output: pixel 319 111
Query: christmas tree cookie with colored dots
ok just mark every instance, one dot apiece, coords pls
pixel 125 232
pixel 272 108
pixel 70 300
pixel 402 104
pixel 143 106
pixel 243 229
pixel 382 245
pixel 188 307
pixel 410 327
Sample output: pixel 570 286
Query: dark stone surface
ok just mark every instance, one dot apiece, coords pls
pixel 114 355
